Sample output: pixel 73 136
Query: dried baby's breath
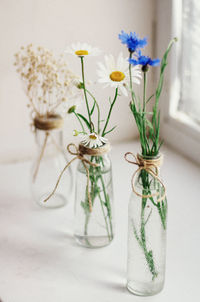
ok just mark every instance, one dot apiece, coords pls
pixel 46 79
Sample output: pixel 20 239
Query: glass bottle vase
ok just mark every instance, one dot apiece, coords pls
pixel 47 167
pixel 94 228
pixel 146 235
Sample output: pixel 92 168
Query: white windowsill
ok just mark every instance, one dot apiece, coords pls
pixel 40 261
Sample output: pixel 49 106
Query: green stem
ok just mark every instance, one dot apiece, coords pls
pixel 144 113
pixel 85 94
pixel 87 218
pixel 162 209
pixel 148 254
pixel 104 215
pixel 144 92
pixel 138 118
pixel 94 184
pixel 98 109
pixel 142 239
pixel 83 129
pixel 107 201
pixel 130 78
pixel 142 229
pixel 108 207
pixel 109 113
pixel 86 224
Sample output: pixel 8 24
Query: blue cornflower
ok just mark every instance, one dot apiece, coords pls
pixel 145 61
pixel 132 41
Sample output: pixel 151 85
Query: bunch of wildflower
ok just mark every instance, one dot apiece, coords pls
pixel 113 73
pixel 148 123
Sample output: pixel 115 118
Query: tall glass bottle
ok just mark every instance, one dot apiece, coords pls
pixel 94 228
pixel 147 235
pixel 49 162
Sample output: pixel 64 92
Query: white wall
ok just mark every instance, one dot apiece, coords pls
pixel 55 24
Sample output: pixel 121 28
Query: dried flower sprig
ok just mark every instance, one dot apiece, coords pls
pixel 49 84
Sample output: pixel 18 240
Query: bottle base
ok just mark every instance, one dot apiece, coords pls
pixel 144 289
pixel 56 201
pixel 93 241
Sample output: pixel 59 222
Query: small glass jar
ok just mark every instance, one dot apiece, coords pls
pixel 94 228
pixel 48 164
pixel 147 234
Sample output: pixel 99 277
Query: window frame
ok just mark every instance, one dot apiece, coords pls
pixel 177 128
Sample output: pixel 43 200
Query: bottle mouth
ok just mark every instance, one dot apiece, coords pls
pixel 150 161
pixel 150 157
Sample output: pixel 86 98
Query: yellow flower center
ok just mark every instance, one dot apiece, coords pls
pixel 93 136
pixel 117 76
pixel 81 52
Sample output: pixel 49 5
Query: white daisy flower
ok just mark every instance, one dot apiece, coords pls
pixel 82 49
pixel 116 73
pixel 93 140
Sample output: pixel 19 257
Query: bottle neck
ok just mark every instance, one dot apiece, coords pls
pixel 103 161
pixel 51 139
pixel 148 172
pixel 152 163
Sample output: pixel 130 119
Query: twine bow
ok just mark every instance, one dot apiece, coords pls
pixel 150 166
pixel 78 152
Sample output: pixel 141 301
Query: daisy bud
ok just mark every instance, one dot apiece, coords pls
pixel 80 85
pixel 72 109
pixel 75 133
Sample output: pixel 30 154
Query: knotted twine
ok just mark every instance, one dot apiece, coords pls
pixel 150 166
pixel 79 153
pixel 54 121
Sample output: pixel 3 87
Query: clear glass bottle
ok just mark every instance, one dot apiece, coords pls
pixel 96 228
pixel 146 236
pixel 46 168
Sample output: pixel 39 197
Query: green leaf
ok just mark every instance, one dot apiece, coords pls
pixel 110 130
pixel 107 204
pixel 161 143
pixel 162 68
pixel 149 98
pixel 84 119
pixel 92 110
pixel 139 105
pixel 158 129
pixel 149 124
pixel 150 113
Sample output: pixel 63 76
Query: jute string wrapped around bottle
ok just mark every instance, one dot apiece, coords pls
pixel 79 153
pixel 150 166
pixel 54 121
